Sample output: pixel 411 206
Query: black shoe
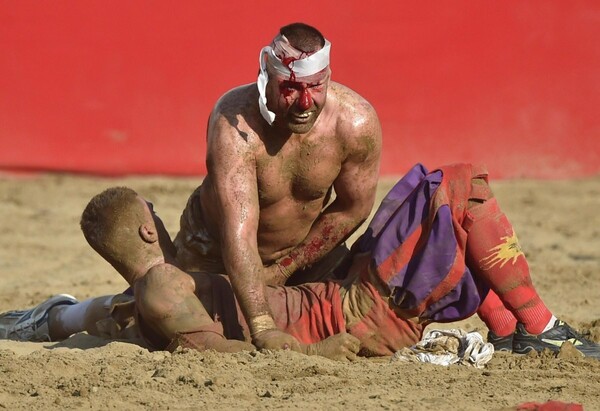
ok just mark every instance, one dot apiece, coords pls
pixel 553 339
pixel 500 343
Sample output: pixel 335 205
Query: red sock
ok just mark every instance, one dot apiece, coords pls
pixel 496 316
pixel 495 255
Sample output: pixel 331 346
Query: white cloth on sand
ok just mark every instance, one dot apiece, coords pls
pixel 445 347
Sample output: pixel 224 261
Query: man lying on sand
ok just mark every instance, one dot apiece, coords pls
pixel 439 249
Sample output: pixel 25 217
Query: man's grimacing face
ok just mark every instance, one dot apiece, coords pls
pixel 297 103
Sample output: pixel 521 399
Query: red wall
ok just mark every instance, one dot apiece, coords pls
pixel 114 87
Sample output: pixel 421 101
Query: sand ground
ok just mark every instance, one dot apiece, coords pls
pixel 42 252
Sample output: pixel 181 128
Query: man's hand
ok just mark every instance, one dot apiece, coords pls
pixel 274 275
pixel 275 339
pixel 341 347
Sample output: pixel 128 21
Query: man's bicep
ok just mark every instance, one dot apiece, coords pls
pixel 232 170
pixel 356 185
pixel 357 182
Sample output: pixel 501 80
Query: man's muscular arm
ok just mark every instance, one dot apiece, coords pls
pixel 231 164
pixel 355 189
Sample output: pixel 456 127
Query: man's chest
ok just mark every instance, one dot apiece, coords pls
pixel 304 172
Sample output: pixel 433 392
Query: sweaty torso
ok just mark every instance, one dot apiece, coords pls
pixel 293 187
pixel 294 174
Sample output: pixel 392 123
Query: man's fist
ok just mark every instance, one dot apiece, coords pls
pixel 341 347
pixel 274 275
pixel 275 339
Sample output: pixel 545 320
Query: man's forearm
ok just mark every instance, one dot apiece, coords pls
pixel 329 230
pixel 254 306
pixel 245 274
pixel 263 330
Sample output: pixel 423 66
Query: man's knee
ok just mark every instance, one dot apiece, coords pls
pixel 480 192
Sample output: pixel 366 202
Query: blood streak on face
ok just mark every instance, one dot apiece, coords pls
pixel 297 101
pixel 288 62
pixel 305 101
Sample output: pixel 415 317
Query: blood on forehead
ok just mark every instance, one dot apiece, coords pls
pixel 303 85
pixel 289 63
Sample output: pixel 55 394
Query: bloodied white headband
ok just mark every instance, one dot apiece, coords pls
pixel 299 65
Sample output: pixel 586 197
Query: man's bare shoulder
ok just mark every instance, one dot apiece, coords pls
pixel 351 109
pixel 237 98
pixel 237 111
pixel 355 118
